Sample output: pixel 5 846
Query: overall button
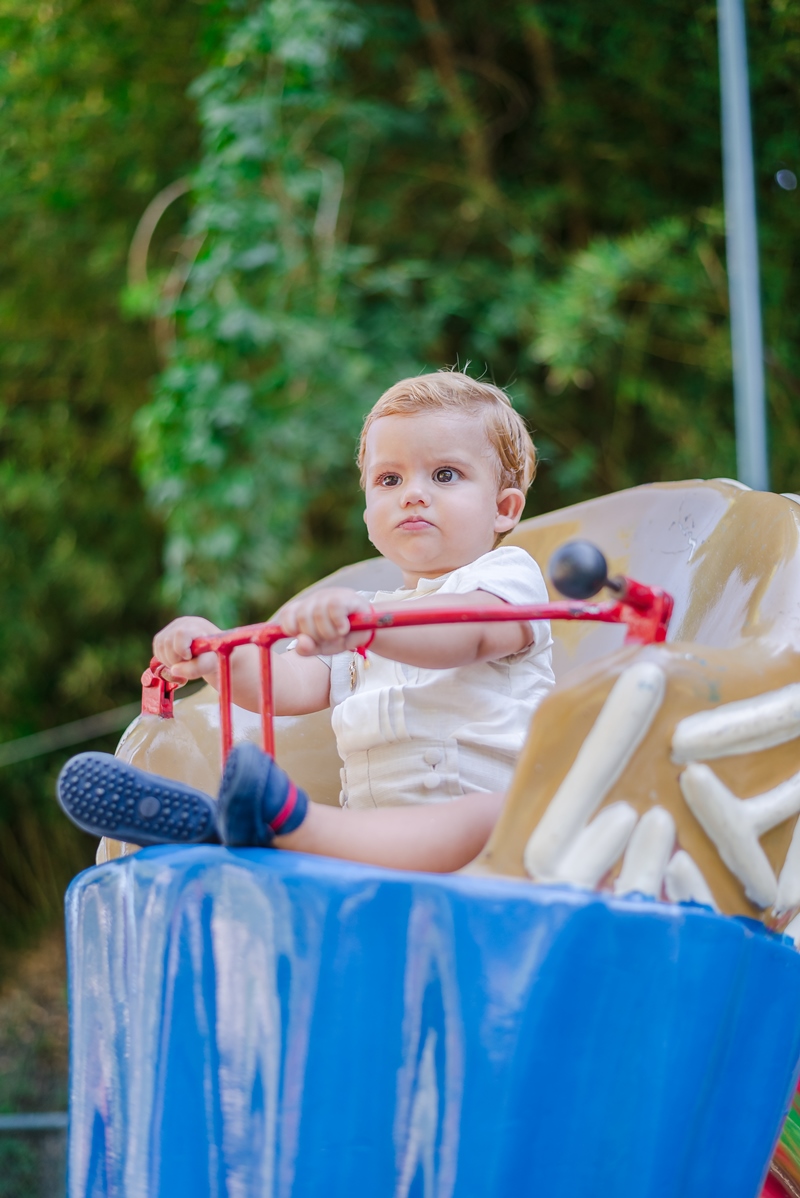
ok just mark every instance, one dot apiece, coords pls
pixel 433 756
pixel 430 781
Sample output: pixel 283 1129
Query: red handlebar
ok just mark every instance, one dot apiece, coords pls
pixel 645 611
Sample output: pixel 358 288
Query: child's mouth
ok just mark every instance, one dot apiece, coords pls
pixel 415 524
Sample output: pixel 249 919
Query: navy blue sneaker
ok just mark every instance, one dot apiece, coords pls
pixel 108 797
pixel 257 800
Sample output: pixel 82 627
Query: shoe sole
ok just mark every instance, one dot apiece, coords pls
pixel 107 797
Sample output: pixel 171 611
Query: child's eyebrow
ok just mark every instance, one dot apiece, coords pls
pixel 434 463
pixel 388 464
pixel 462 463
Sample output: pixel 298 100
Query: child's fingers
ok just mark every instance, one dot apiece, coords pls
pixel 316 618
pixel 306 646
pixel 181 646
pixel 199 667
pixel 340 618
pixel 328 621
pixel 323 617
pixel 172 649
pixel 299 621
pixel 173 646
pixel 163 647
pixel 288 619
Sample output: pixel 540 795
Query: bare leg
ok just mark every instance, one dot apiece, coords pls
pixel 435 839
pixel 254 792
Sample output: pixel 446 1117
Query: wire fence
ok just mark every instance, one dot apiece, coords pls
pixel 78 731
pixel 74 733
pixel 41 1121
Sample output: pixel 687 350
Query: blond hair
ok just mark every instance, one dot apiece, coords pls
pixel 450 390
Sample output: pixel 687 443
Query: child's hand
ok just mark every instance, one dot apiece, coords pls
pixel 172 645
pixel 320 621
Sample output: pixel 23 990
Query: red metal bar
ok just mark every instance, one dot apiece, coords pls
pixel 225 714
pixel 157 691
pixel 634 593
pixel 267 704
pixel 644 610
pixel 644 626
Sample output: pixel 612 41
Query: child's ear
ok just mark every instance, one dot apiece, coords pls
pixel 510 504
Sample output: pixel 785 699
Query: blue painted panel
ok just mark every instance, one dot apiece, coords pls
pixel 258 1023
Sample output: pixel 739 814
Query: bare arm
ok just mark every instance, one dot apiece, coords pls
pixel 438 838
pixel 443 646
pixel 321 623
pixel 300 684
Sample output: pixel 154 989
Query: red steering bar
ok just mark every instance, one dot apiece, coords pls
pixel 645 611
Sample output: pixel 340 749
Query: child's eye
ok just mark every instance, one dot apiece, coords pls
pixel 389 480
pixel 445 475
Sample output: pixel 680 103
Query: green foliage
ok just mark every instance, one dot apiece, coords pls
pixel 93 120
pixel 384 188
pixel 248 443
pixel 18 1171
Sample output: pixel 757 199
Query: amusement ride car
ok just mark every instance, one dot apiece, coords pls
pixel 605 1002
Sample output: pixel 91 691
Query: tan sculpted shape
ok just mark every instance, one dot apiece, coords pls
pixel 726 780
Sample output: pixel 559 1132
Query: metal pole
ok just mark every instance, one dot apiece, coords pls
pixel 742 246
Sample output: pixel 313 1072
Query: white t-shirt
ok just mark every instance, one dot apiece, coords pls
pixel 412 735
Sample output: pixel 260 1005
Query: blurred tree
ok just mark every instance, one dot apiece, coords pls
pixel 94 119
pixel 535 187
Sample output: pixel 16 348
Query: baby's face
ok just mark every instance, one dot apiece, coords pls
pixel 433 502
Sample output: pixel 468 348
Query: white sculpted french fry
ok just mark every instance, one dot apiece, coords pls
pixel 620 727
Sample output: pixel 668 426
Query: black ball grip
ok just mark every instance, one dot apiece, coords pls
pixel 578 570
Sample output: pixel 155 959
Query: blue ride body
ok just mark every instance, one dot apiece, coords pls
pixel 260 1023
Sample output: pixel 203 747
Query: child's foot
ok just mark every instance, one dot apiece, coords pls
pixel 108 797
pixel 257 800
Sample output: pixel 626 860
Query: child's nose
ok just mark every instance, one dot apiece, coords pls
pixel 414 494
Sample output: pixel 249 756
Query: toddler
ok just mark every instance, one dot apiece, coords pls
pixel 429 719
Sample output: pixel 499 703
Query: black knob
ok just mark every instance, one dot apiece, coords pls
pixel 578 570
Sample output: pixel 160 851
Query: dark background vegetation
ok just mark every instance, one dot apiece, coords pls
pixel 373 189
